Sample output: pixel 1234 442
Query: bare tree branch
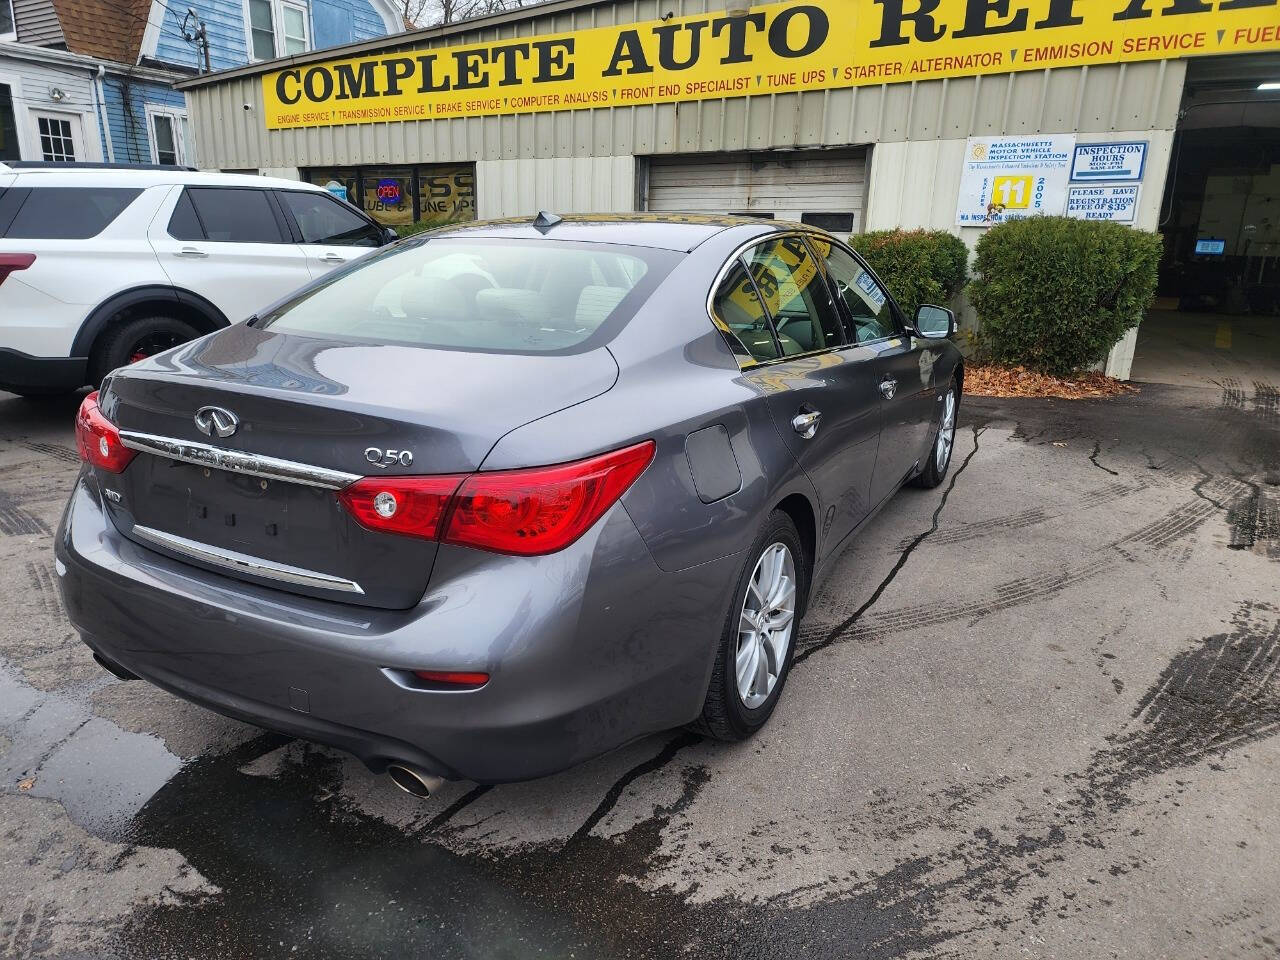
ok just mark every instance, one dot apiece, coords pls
pixel 433 13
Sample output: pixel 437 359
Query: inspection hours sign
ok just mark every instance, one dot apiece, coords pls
pixel 1109 161
pixel 1007 178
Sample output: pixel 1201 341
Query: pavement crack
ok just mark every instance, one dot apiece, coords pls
pixel 839 629
pixel 1093 458
pixel 448 813
pixel 614 794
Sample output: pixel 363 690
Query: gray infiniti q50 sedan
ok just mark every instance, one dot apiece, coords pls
pixel 499 498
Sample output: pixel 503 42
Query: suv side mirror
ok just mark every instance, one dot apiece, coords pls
pixel 936 323
pixel 389 235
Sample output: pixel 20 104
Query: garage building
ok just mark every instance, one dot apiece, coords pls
pixel 853 115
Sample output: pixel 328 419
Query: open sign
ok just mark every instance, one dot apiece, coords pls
pixel 389 191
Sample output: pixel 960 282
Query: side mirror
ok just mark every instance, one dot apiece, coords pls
pixel 389 235
pixel 936 323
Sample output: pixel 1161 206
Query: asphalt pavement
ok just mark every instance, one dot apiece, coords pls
pixel 1034 713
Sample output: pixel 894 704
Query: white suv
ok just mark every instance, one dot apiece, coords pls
pixel 102 266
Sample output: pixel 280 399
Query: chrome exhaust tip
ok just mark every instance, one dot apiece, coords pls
pixel 414 782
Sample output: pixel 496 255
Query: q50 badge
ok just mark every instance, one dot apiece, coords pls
pixel 388 458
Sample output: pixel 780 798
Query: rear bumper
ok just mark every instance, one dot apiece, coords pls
pixel 586 649
pixel 23 373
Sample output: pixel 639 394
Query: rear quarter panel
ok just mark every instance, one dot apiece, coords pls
pixel 677 376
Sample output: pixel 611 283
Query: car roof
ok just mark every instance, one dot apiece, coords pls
pixel 143 177
pixel 665 231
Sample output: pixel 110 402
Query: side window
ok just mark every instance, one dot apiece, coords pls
pixel 184 225
pixel 795 295
pixel 738 313
pixel 322 219
pixel 68 213
pixel 867 301
pixel 233 215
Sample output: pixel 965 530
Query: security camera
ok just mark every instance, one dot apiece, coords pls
pixel 248 106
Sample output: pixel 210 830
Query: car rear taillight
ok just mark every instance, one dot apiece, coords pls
pixel 411 506
pixel 9 262
pixel 543 509
pixel 525 512
pixel 98 438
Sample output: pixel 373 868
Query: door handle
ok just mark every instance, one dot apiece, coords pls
pixel 806 423
pixel 888 387
pixel 332 258
pixel 192 253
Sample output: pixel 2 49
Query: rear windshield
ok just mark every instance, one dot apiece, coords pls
pixel 67 213
pixel 509 296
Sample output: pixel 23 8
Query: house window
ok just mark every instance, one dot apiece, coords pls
pixel 8 126
pixel 295 29
pixel 7 29
pixel 170 141
pixel 57 144
pixel 277 28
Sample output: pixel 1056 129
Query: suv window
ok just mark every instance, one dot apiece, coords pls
pixel 322 219
pixel 184 224
pixel 796 296
pixel 736 308
pixel 68 213
pixel 868 304
pixel 236 215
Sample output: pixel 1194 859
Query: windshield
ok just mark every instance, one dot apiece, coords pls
pixel 513 296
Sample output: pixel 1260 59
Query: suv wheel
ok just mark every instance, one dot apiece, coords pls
pixel 758 642
pixel 136 340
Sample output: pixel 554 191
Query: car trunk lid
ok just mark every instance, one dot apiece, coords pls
pixel 313 415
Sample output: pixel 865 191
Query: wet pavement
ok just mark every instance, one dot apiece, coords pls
pixel 1034 712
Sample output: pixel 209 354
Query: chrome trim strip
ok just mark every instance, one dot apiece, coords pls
pixel 253 464
pixel 243 563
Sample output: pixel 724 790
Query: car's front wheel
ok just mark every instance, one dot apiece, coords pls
pixel 758 642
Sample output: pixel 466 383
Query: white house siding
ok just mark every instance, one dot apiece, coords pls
pixel 33 79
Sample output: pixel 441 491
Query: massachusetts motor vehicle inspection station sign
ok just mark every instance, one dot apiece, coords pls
pixel 774 48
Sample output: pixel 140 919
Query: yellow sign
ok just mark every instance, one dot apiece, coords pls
pixel 1012 193
pixel 775 48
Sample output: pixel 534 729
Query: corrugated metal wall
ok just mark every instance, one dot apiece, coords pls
pixel 1134 96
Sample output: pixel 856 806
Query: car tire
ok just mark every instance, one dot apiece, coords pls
pixel 134 339
pixel 728 713
pixel 944 436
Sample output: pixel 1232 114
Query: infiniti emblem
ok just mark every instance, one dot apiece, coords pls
pixel 216 421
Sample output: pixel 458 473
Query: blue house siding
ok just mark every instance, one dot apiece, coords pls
pixel 126 99
pixel 333 22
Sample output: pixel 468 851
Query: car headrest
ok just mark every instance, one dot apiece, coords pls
pixel 433 298
pixel 513 305
pixel 595 303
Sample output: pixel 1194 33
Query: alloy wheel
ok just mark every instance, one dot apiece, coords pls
pixel 765 625
pixel 946 432
pixel 152 343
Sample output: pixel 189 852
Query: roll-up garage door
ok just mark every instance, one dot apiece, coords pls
pixel 822 187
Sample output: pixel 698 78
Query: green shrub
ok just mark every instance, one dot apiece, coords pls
pixel 1054 293
pixel 918 266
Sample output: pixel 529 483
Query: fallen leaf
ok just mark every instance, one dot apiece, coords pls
pixel 994 380
pixel 27 784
